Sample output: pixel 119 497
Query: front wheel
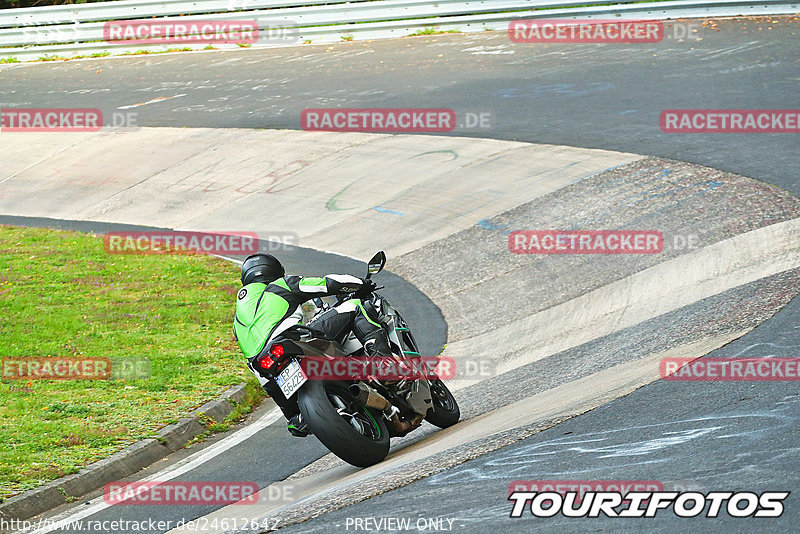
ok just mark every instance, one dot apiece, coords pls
pixel 350 430
pixel 444 411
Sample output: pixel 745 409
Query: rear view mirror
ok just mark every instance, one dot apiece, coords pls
pixel 375 265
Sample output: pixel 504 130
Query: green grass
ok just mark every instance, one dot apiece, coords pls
pixel 51 57
pixel 431 30
pixel 142 52
pixel 62 295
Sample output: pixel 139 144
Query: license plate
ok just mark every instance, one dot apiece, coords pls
pixel 291 378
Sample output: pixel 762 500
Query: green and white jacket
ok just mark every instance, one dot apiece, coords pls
pixel 265 310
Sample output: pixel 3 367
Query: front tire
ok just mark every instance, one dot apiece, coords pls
pixel 445 411
pixel 351 431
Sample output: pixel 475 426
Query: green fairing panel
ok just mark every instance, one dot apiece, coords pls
pixel 256 315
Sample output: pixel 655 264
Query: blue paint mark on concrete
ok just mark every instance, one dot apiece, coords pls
pixel 628 111
pixel 486 225
pixel 391 212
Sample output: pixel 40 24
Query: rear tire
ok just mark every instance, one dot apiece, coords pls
pixel 445 411
pixel 362 447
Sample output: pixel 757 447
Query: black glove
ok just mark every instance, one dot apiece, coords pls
pixel 367 287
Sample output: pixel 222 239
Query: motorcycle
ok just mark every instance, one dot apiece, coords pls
pixel 356 418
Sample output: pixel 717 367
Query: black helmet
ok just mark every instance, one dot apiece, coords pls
pixel 261 268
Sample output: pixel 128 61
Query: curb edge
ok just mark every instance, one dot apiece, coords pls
pixel 121 464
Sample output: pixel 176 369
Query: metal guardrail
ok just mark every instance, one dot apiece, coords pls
pixel 77 30
pixel 131 9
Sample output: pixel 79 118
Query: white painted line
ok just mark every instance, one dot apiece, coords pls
pixel 187 464
pixel 153 101
pixel 237 262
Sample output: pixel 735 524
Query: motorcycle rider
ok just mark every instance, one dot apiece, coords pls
pixel 269 303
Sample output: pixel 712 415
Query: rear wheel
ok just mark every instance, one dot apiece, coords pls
pixel 351 431
pixel 444 411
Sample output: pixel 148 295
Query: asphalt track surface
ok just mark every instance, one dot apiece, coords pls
pixel 593 96
pixel 719 436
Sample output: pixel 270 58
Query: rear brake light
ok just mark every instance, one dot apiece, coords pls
pixel 277 350
pixel 266 362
